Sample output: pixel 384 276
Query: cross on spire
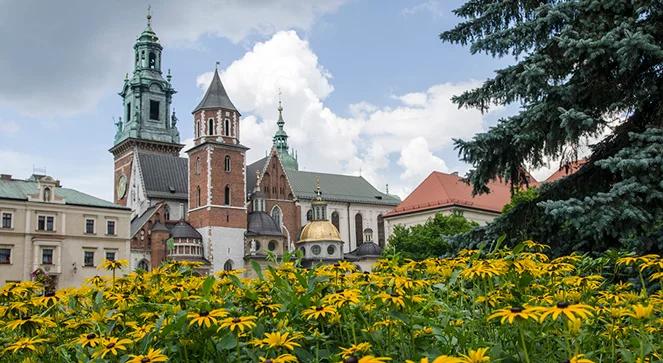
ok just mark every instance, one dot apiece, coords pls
pixel 149 15
pixel 217 65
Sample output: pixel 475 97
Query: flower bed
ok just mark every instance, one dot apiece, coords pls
pixel 509 305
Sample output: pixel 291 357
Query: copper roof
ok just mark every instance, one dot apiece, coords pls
pixel 440 190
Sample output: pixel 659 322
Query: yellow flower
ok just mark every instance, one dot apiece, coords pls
pixel 354 349
pixel 88 340
pixel 113 264
pixel 139 332
pixel 283 358
pixel 31 322
pixel 316 312
pixel 372 359
pixel 510 314
pixel 393 298
pixel 153 355
pixel 641 312
pixel 476 356
pixel 439 359
pixel 571 311
pixel 535 246
pixel 110 345
pixel 239 323
pixel 579 358
pixel 206 318
pixel 277 340
pixel 25 344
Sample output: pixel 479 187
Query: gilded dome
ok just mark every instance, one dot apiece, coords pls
pixel 321 230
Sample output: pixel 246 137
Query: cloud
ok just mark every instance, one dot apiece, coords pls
pixel 401 143
pixel 8 127
pixel 430 7
pixel 60 58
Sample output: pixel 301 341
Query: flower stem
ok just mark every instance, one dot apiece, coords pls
pixel 522 342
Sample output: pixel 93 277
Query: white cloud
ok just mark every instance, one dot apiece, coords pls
pixel 8 127
pixel 430 7
pixel 72 52
pixel 418 161
pixel 401 144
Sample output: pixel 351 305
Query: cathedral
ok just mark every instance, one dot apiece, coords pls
pixel 214 207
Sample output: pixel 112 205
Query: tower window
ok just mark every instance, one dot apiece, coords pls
pixel 198 196
pixel 197 165
pixel 154 110
pixel 226 195
pixel 128 111
pixel 226 163
pixel 226 127
pixel 309 215
pixel 153 60
pixel 210 126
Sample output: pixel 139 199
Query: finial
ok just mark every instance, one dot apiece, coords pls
pixel 169 76
pixel 280 107
pixel 149 15
pixel 216 67
pixel 387 189
pixel 257 177
pixel 317 186
pixel 126 76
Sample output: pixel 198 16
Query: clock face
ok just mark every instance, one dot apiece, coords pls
pixel 122 186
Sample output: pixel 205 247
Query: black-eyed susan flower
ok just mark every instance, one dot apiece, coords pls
pixel 153 355
pixel 355 349
pixel 283 358
pixel 277 340
pixel 476 356
pixel 206 318
pixel 88 340
pixel 515 312
pixel 580 358
pixel 239 323
pixel 110 346
pixel 570 311
pixel 316 312
pixel 439 359
pixel 640 311
pixel 25 344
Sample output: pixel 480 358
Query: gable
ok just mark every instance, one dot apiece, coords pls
pixel 274 180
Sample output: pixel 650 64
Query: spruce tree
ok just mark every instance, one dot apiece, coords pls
pixel 582 68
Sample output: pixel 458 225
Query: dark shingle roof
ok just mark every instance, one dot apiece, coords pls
pixel 335 187
pixel 216 96
pixel 20 189
pixel 165 176
pixel 138 221
pixel 262 224
pixel 367 249
pixel 184 230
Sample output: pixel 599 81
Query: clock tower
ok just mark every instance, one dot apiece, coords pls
pixel 147 124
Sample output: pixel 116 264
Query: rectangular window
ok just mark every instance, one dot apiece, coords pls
pixel 89 226
pixel 6 220
pixel 110 228
pixel 129 111
pixel 110 255
pixel 45 223
pixel 154 110
pixel 5 256
pixel 88 258
pixel 47 256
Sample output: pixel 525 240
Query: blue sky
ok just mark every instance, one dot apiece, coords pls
pixel 366 84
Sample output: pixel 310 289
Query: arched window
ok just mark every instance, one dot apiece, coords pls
pixel 153 60
pixel 143 265
pixel 47 194
pixel 226 195
pixel 226 163
pixel 228 265
pixel 381 230
pixel 368 235
pixel 166 213
pixel 210 126
pixel 335 220
pixel 282 183
pixel 226 127
pixel 276 215
pixel 198 165
pixel 359 228
pixel 309 215
pixel 198 196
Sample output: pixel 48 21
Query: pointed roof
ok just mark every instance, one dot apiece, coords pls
pixel 216 96
pixel 566 170
pixel 441 190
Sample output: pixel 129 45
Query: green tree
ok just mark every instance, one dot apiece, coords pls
pixel 583 68
pixel 429 239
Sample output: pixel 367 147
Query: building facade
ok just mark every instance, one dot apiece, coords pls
pixel 60 232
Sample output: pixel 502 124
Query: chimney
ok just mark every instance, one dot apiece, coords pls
pixel 455 173
pixel 5 177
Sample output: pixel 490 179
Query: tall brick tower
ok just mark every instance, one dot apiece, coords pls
pixel 217 178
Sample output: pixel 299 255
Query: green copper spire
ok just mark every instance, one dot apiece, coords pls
pixel 146 95
pixel 280 142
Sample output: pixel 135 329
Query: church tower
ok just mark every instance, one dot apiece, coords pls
pixel 147 123
pixel 217 178
pixel 280 143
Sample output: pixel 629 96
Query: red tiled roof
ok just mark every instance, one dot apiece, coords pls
pixel 567 169
pixel 444 190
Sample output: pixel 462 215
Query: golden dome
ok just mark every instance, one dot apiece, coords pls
pixel 322 230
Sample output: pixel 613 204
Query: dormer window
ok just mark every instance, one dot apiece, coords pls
pixel 47 194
